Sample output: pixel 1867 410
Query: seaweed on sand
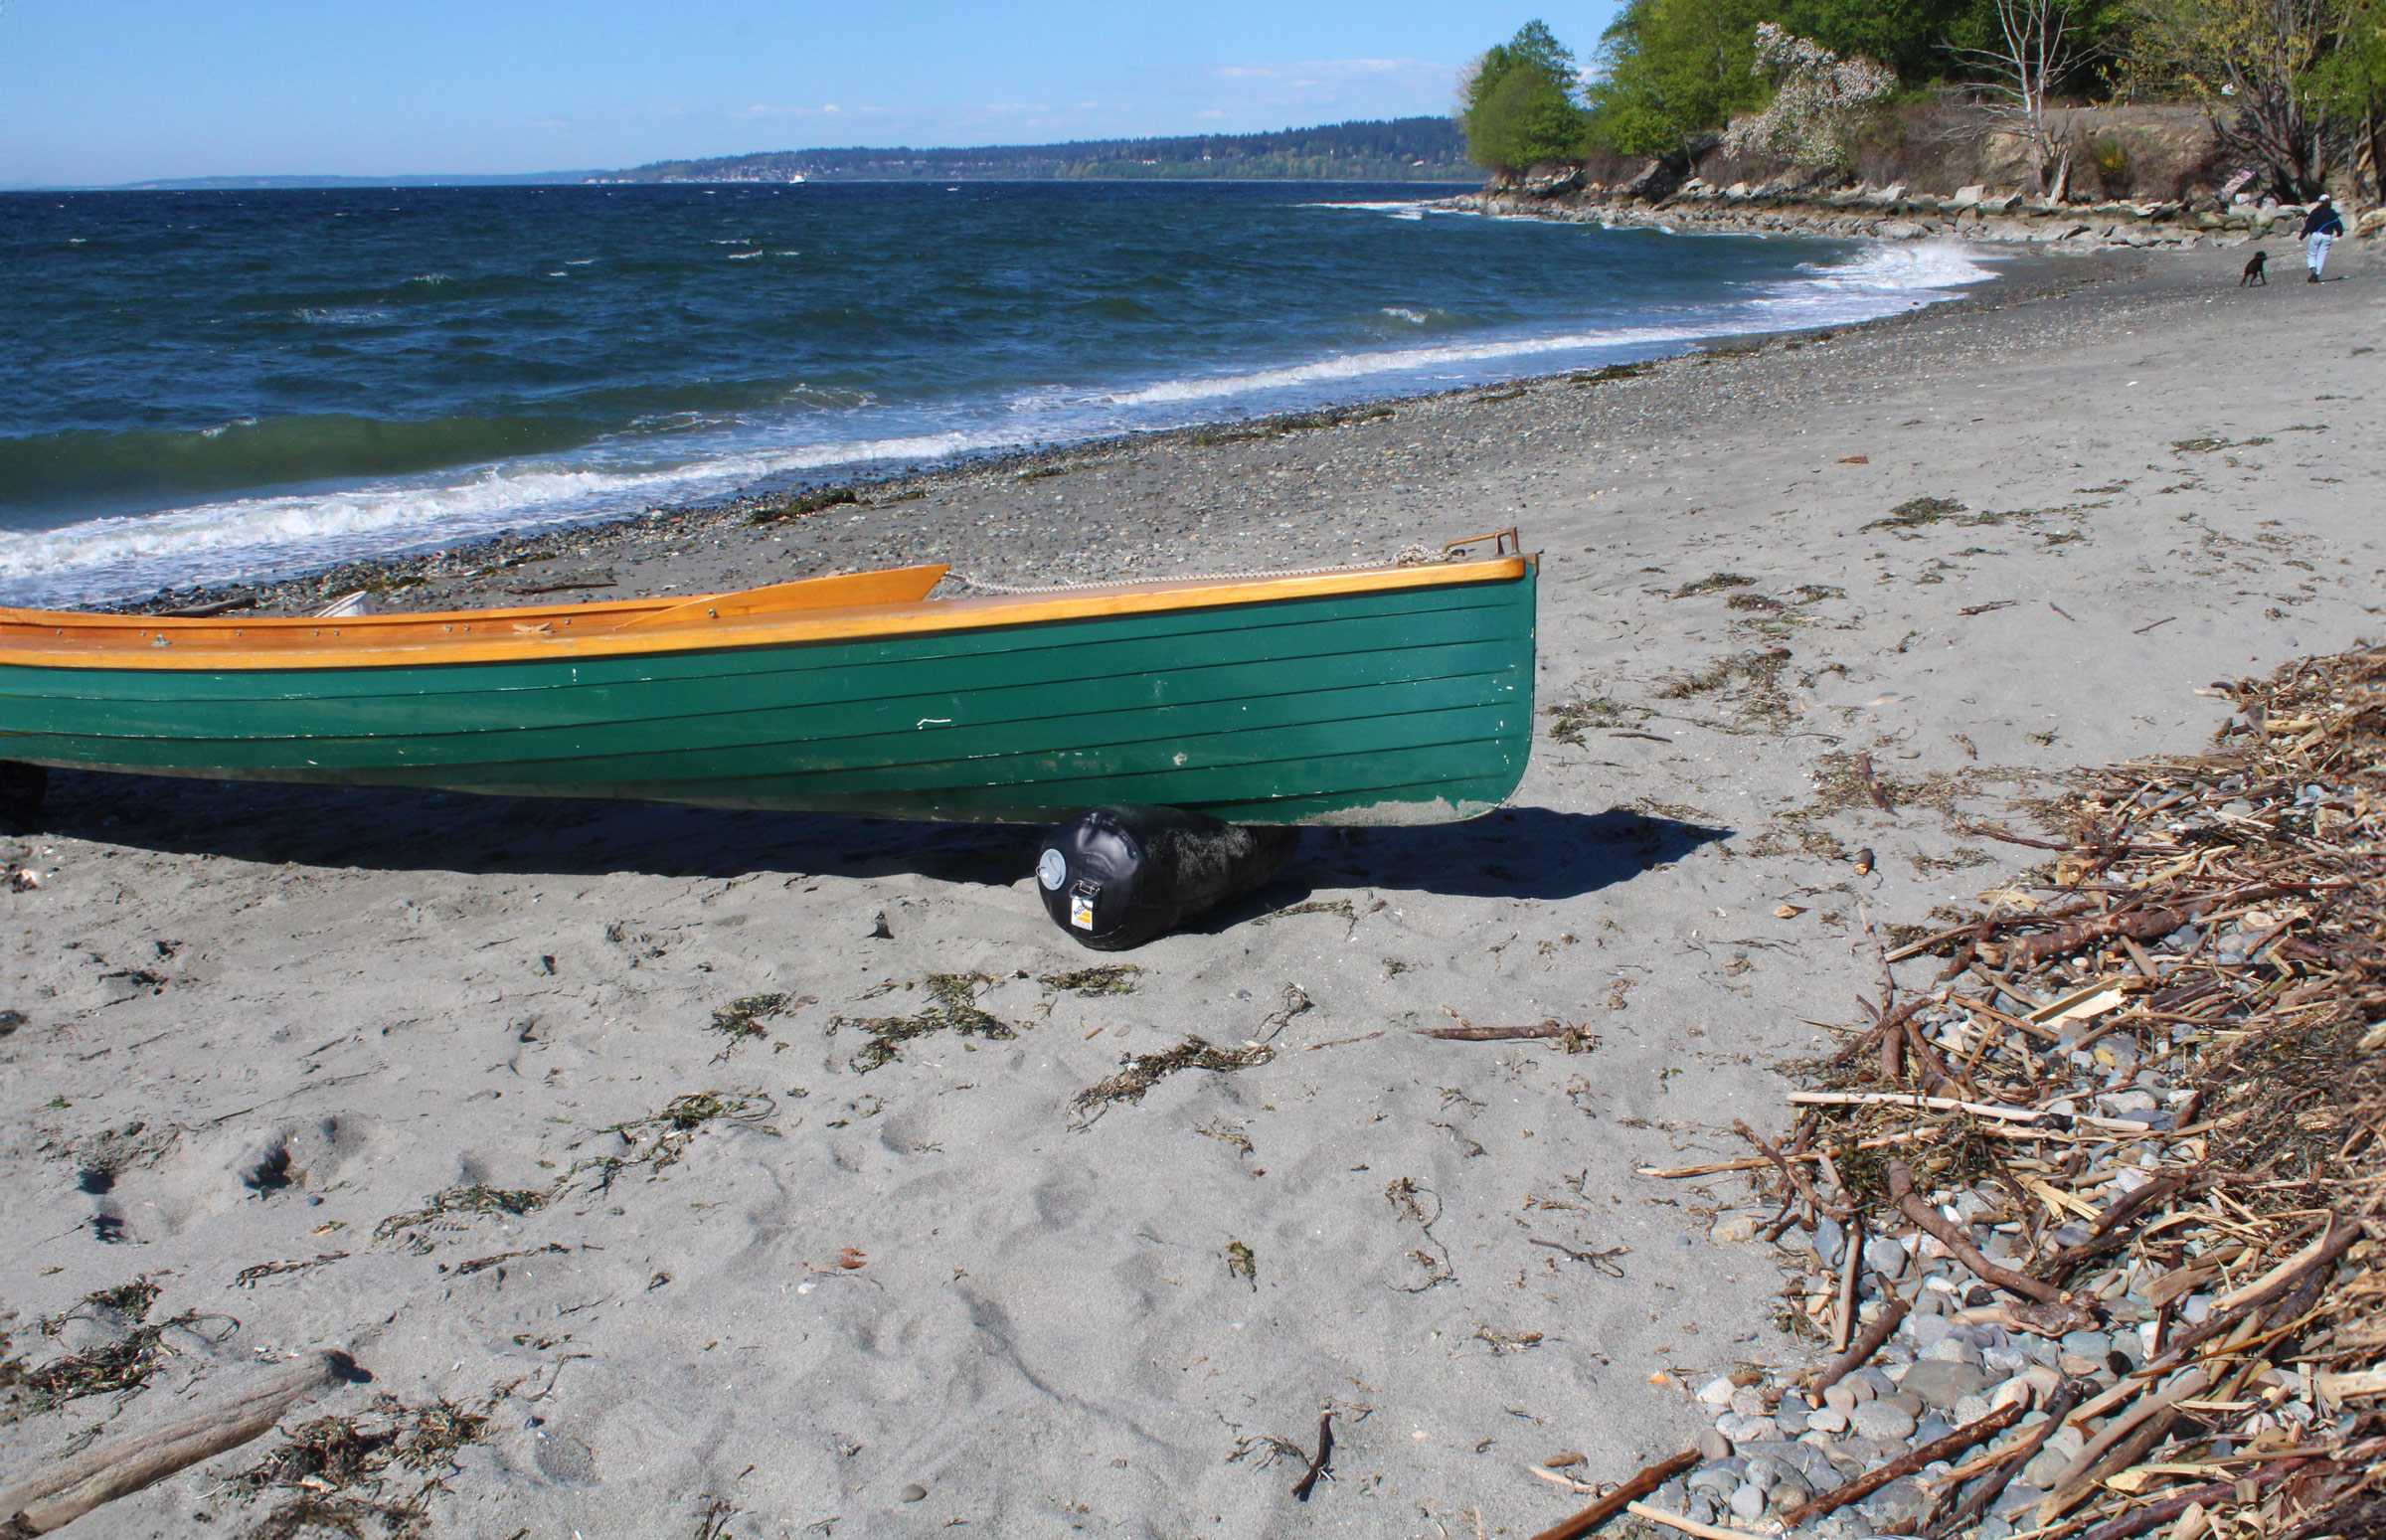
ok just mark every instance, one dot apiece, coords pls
pixel 1138 1072
pixel 660 1138
pixel 1570 720
pixel 1612 372
pixel 1115 978
pixel 336 1470
pixel 1916 512
pixel 1714 583
pixel 121 1367
pixel 1753 677
pixel 741 1020
pixel 470 1198
pixel 803 503
pixel 951 1007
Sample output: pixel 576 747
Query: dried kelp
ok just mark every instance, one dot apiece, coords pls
pixel 952 1008
pixel 334 1475
pixel 1114 978
pixel 1138 1072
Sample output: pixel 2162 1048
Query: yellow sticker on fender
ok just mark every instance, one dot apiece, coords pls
pixel 1081 910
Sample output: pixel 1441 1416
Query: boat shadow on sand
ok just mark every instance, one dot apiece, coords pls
pixel 1520 852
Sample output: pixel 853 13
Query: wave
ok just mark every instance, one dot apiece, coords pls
pixel 1402 209
pixel 252 537
pixel 1359 366
pixel 91 464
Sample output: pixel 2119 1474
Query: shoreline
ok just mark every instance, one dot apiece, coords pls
pixel 1894 214
pixel 409 580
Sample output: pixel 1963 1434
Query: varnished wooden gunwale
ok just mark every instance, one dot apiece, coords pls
pixel 118 641
pixel 61 640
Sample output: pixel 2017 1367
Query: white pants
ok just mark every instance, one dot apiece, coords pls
pixel 2315 253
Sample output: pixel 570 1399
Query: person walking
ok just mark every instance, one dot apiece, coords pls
pixel 2321 227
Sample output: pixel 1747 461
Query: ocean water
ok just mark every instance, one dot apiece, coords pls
pixel 206 385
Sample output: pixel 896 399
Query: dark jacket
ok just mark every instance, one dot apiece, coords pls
pixel 2322 220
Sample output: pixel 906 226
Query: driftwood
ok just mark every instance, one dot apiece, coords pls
pixel 1324 1460
pixel 2078 1477
pixel 1907 1464
pixel 1865 1346
pixel 1688 1526
pixel 1851 1271
pixel 1872 785
pixel 1472 1033
pixel 1910 1204
pixel 2007 1466
pixel 2139 925
pixel 2171 1507
pixel 1615 1502
pixel 67 1491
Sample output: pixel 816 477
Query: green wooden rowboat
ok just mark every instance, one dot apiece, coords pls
pixel 1393 695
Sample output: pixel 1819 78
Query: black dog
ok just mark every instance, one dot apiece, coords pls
pixel 2253 272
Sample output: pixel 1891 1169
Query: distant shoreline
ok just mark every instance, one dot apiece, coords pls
pixel 594 179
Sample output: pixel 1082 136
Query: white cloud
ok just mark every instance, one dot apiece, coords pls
pixel 1312 72
pixel 826 109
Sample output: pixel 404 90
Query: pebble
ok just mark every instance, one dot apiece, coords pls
pixel 1899 1506
pixel 912 1493
pixel 2047 1465
pixel 1870 1382
pixel 1747 1429
pixel 1953 1350
pixel 1828 1418
pixel 1712 1444
pixel 1885 1255
pixel 1749 1401
pixel 1942 1383
pixel 2087 1345
pixel 1973 1408
pixel 2005 1360
pixel 1740 1227
pixel 1879 1418
pixel 1716 1392
pixel 1748 1501
pixel 1720 1479
pixel 1840 1397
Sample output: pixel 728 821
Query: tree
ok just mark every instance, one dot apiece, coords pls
pixel 1818 98
pixel 2353 80
pixel 2261 70
pixel 1672 69
pixel 2036 46
pixel 1521 102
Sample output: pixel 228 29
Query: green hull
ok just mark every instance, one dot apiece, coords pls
pixel 1410 706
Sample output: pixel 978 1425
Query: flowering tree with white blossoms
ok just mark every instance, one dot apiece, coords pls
pixel 1817 100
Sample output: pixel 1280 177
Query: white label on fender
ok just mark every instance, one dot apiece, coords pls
pixel 1081 910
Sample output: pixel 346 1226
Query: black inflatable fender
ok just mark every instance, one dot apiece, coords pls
pixel 1118 877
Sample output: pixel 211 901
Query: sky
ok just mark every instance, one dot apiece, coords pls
pixel 94 92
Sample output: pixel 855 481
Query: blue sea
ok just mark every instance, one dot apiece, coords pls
pixel 210 385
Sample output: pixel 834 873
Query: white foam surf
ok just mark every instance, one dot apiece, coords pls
pixel 247 537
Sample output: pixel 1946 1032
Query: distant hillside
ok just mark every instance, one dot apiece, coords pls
pixel 1406 149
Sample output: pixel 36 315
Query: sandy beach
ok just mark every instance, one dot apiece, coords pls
pixel 619 1127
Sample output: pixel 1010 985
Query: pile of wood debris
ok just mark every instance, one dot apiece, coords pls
pixel 2096 1220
